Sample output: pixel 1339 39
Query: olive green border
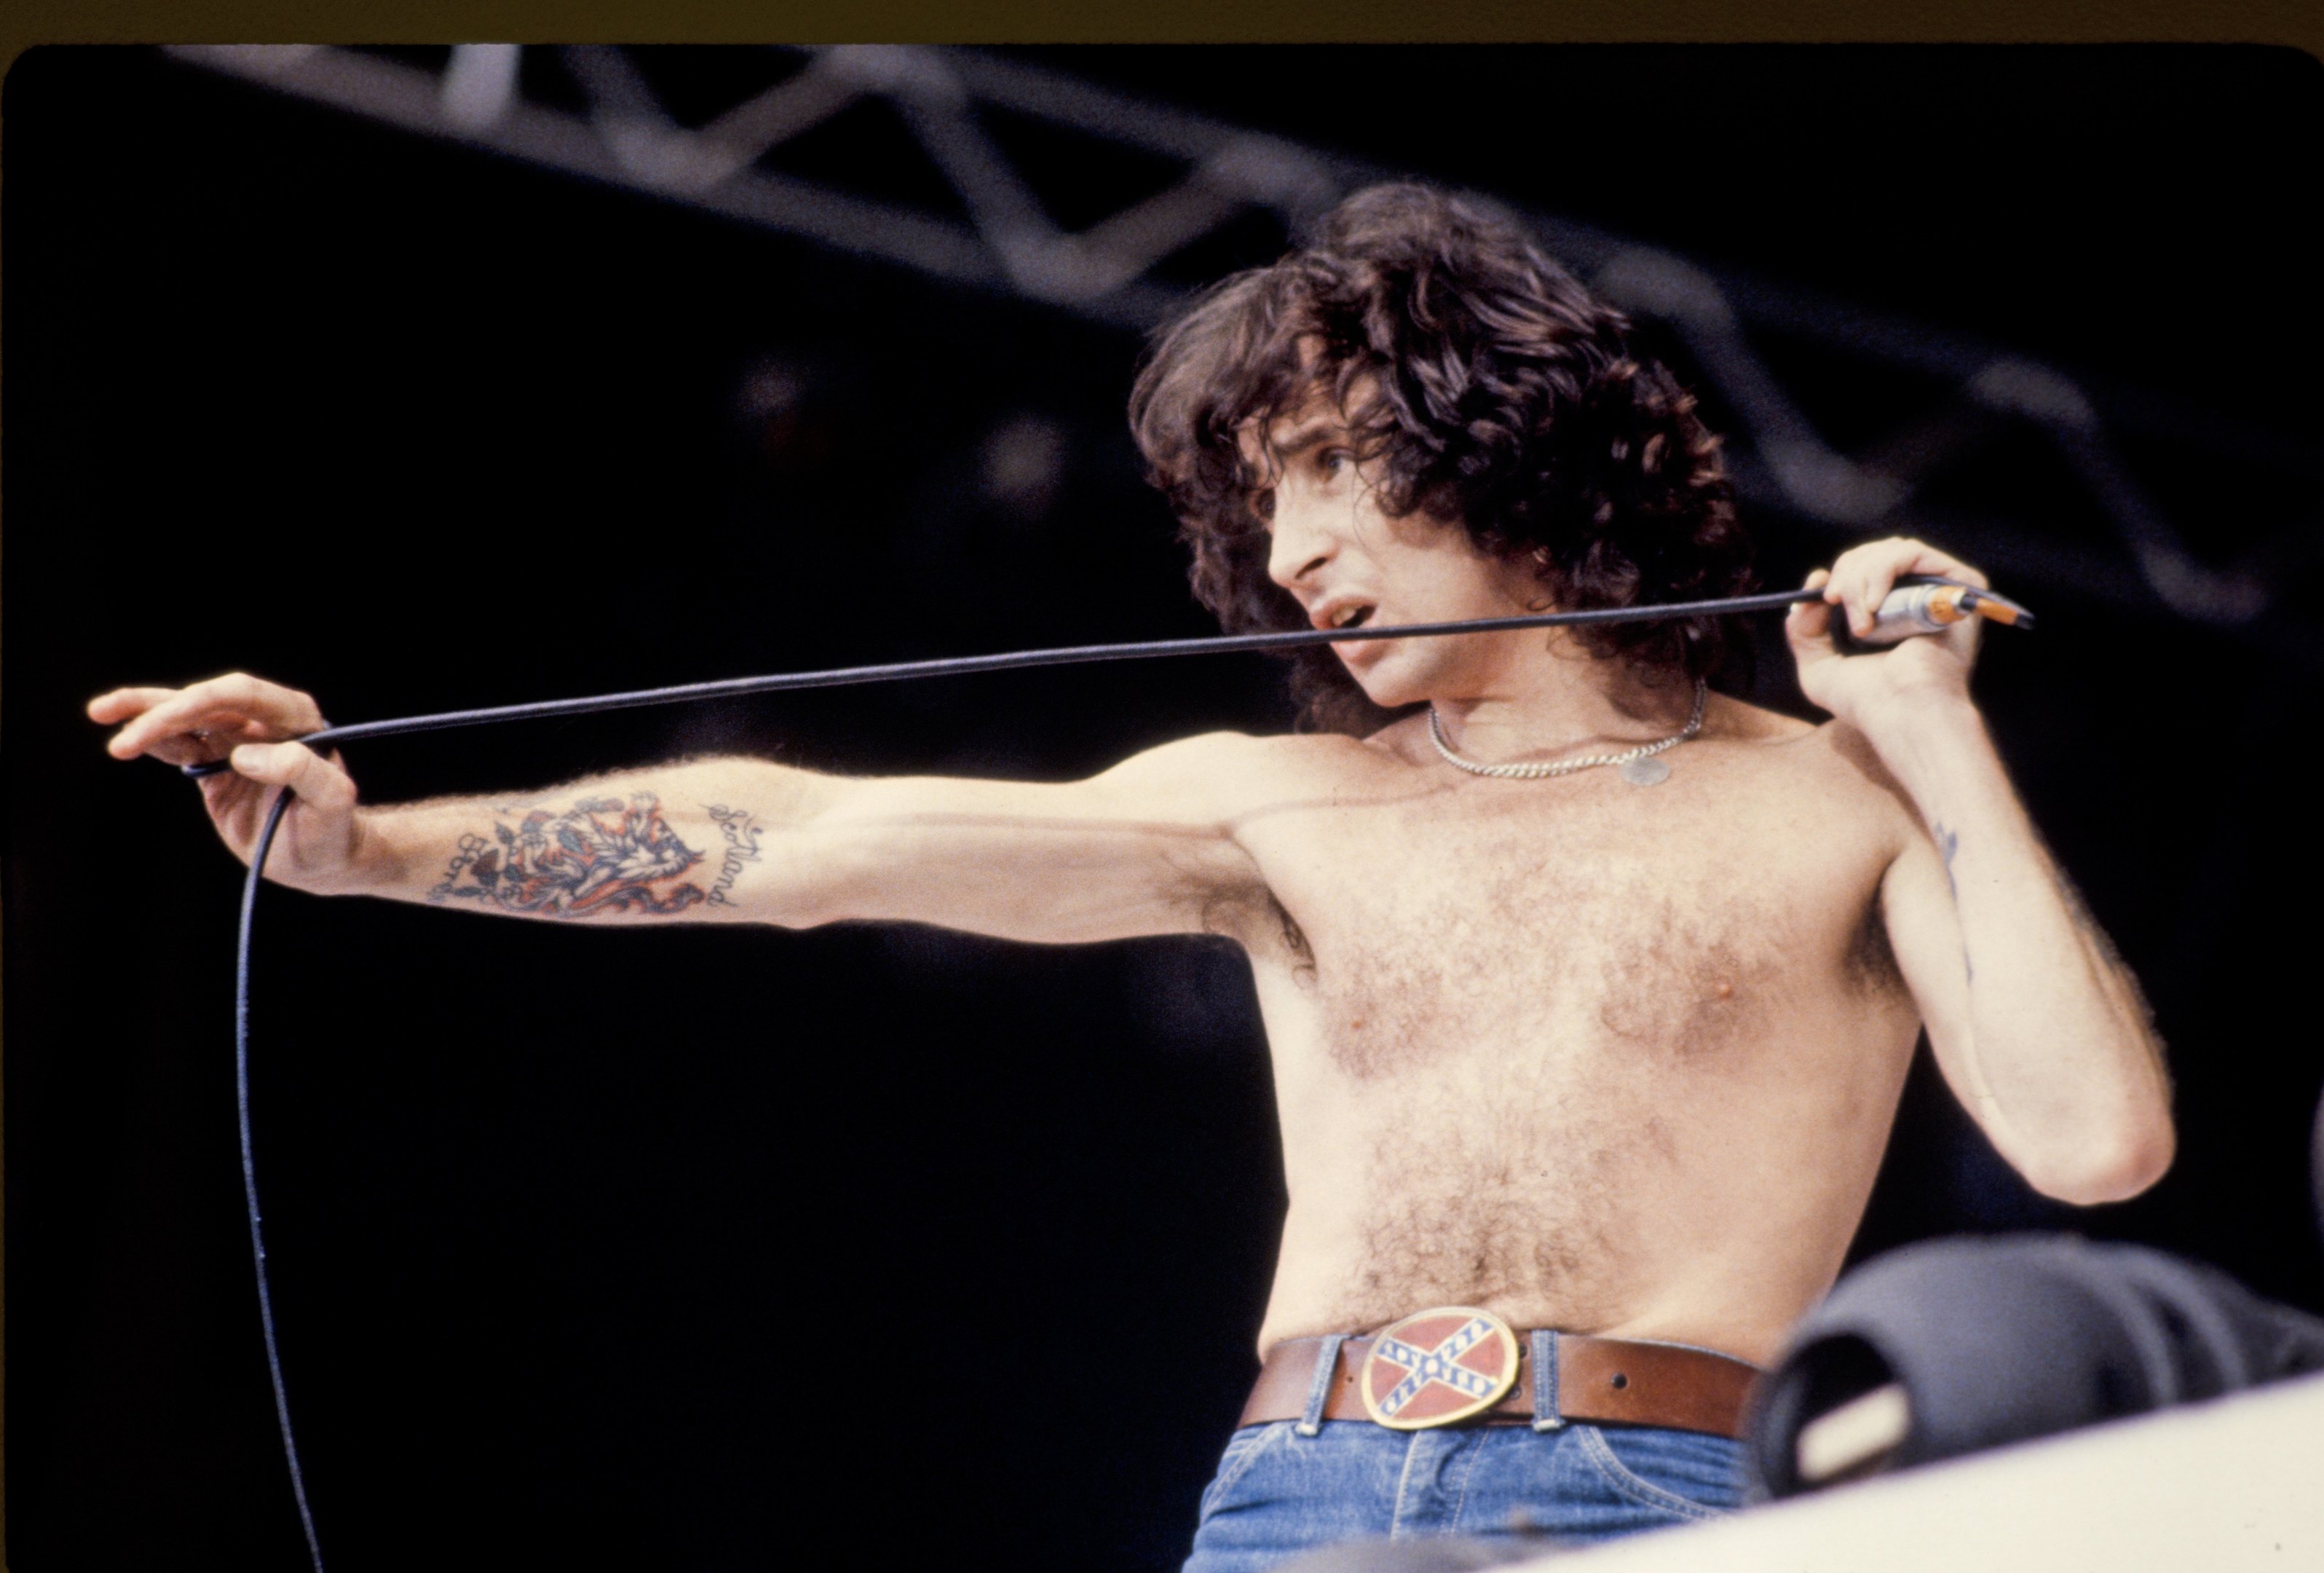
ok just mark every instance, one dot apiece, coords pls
pixel 2297 23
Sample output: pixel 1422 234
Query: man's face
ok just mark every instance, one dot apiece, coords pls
pixel 1352 566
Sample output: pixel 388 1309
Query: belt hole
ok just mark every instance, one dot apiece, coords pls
pixel 1621 1380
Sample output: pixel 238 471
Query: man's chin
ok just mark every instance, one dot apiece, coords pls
pixel 1389 690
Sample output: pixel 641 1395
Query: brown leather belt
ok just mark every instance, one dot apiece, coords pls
pixel 1615 1380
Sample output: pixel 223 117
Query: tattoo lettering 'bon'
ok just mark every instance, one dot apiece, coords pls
pixel 602 856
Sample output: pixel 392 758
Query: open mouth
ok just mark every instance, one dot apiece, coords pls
pixel 1352 617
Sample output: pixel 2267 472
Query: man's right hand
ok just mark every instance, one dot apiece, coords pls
pixel 242 718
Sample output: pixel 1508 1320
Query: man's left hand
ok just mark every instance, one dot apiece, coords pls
pixel 1857 689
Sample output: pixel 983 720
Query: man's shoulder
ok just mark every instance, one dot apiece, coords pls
pixel 1786 741
pixel 1212 774
pixel 1824 762
pixel 1228 755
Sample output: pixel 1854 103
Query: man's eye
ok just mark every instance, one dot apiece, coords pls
pixel 1332 461
pixel 1262 504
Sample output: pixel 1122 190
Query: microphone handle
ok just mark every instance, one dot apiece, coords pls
pixel 1926 604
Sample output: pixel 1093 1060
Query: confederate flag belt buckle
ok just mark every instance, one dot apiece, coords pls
pixel 1438 1368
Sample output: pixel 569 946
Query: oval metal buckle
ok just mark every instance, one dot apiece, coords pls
pixel 1437 1367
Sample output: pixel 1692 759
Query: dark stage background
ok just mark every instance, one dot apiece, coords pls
pixel 666 1247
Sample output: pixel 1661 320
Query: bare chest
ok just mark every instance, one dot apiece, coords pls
pixel 1601 930
pixel 1555 1050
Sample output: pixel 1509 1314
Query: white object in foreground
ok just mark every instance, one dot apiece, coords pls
pixel 2232 1484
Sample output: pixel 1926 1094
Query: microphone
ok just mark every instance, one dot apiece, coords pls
pixel 1926 603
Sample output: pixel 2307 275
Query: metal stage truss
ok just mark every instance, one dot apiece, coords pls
pixel 1163 180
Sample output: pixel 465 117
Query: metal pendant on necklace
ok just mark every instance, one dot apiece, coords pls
pixel 1646 771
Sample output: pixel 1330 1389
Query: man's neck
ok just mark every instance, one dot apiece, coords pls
pixel 1544 702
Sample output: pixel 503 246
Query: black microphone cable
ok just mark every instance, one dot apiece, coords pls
pixel 250 884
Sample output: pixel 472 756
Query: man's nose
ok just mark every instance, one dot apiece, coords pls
pixel 1297 543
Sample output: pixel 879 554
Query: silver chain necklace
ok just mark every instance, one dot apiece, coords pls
pixel 1639 765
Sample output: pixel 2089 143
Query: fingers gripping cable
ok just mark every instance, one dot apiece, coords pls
pixel 1898 614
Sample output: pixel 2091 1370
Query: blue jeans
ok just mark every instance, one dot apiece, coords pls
pixel 1279 1493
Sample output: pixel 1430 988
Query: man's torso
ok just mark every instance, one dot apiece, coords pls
pixel 1595 1055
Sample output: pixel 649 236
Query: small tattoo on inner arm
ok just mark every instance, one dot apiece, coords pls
pixel 1948 848
pixel 742 833
pixel 602 856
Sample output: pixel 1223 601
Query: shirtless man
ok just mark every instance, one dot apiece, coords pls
pixel 1608 1051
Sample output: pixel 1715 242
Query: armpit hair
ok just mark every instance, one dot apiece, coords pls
pixel 1259 923
pixel 1871 963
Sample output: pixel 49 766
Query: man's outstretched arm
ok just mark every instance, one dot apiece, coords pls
pixel 1141 849
pixel 2038 1026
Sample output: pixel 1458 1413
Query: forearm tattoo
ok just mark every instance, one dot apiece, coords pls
pixel 601 856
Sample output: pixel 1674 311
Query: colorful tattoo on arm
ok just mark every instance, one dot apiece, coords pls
pixel 602 856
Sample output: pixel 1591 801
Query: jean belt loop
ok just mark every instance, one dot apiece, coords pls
pixel 1545 1417
pixel 1327 1366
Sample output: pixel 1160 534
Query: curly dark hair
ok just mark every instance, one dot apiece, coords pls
pixel 1493 388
